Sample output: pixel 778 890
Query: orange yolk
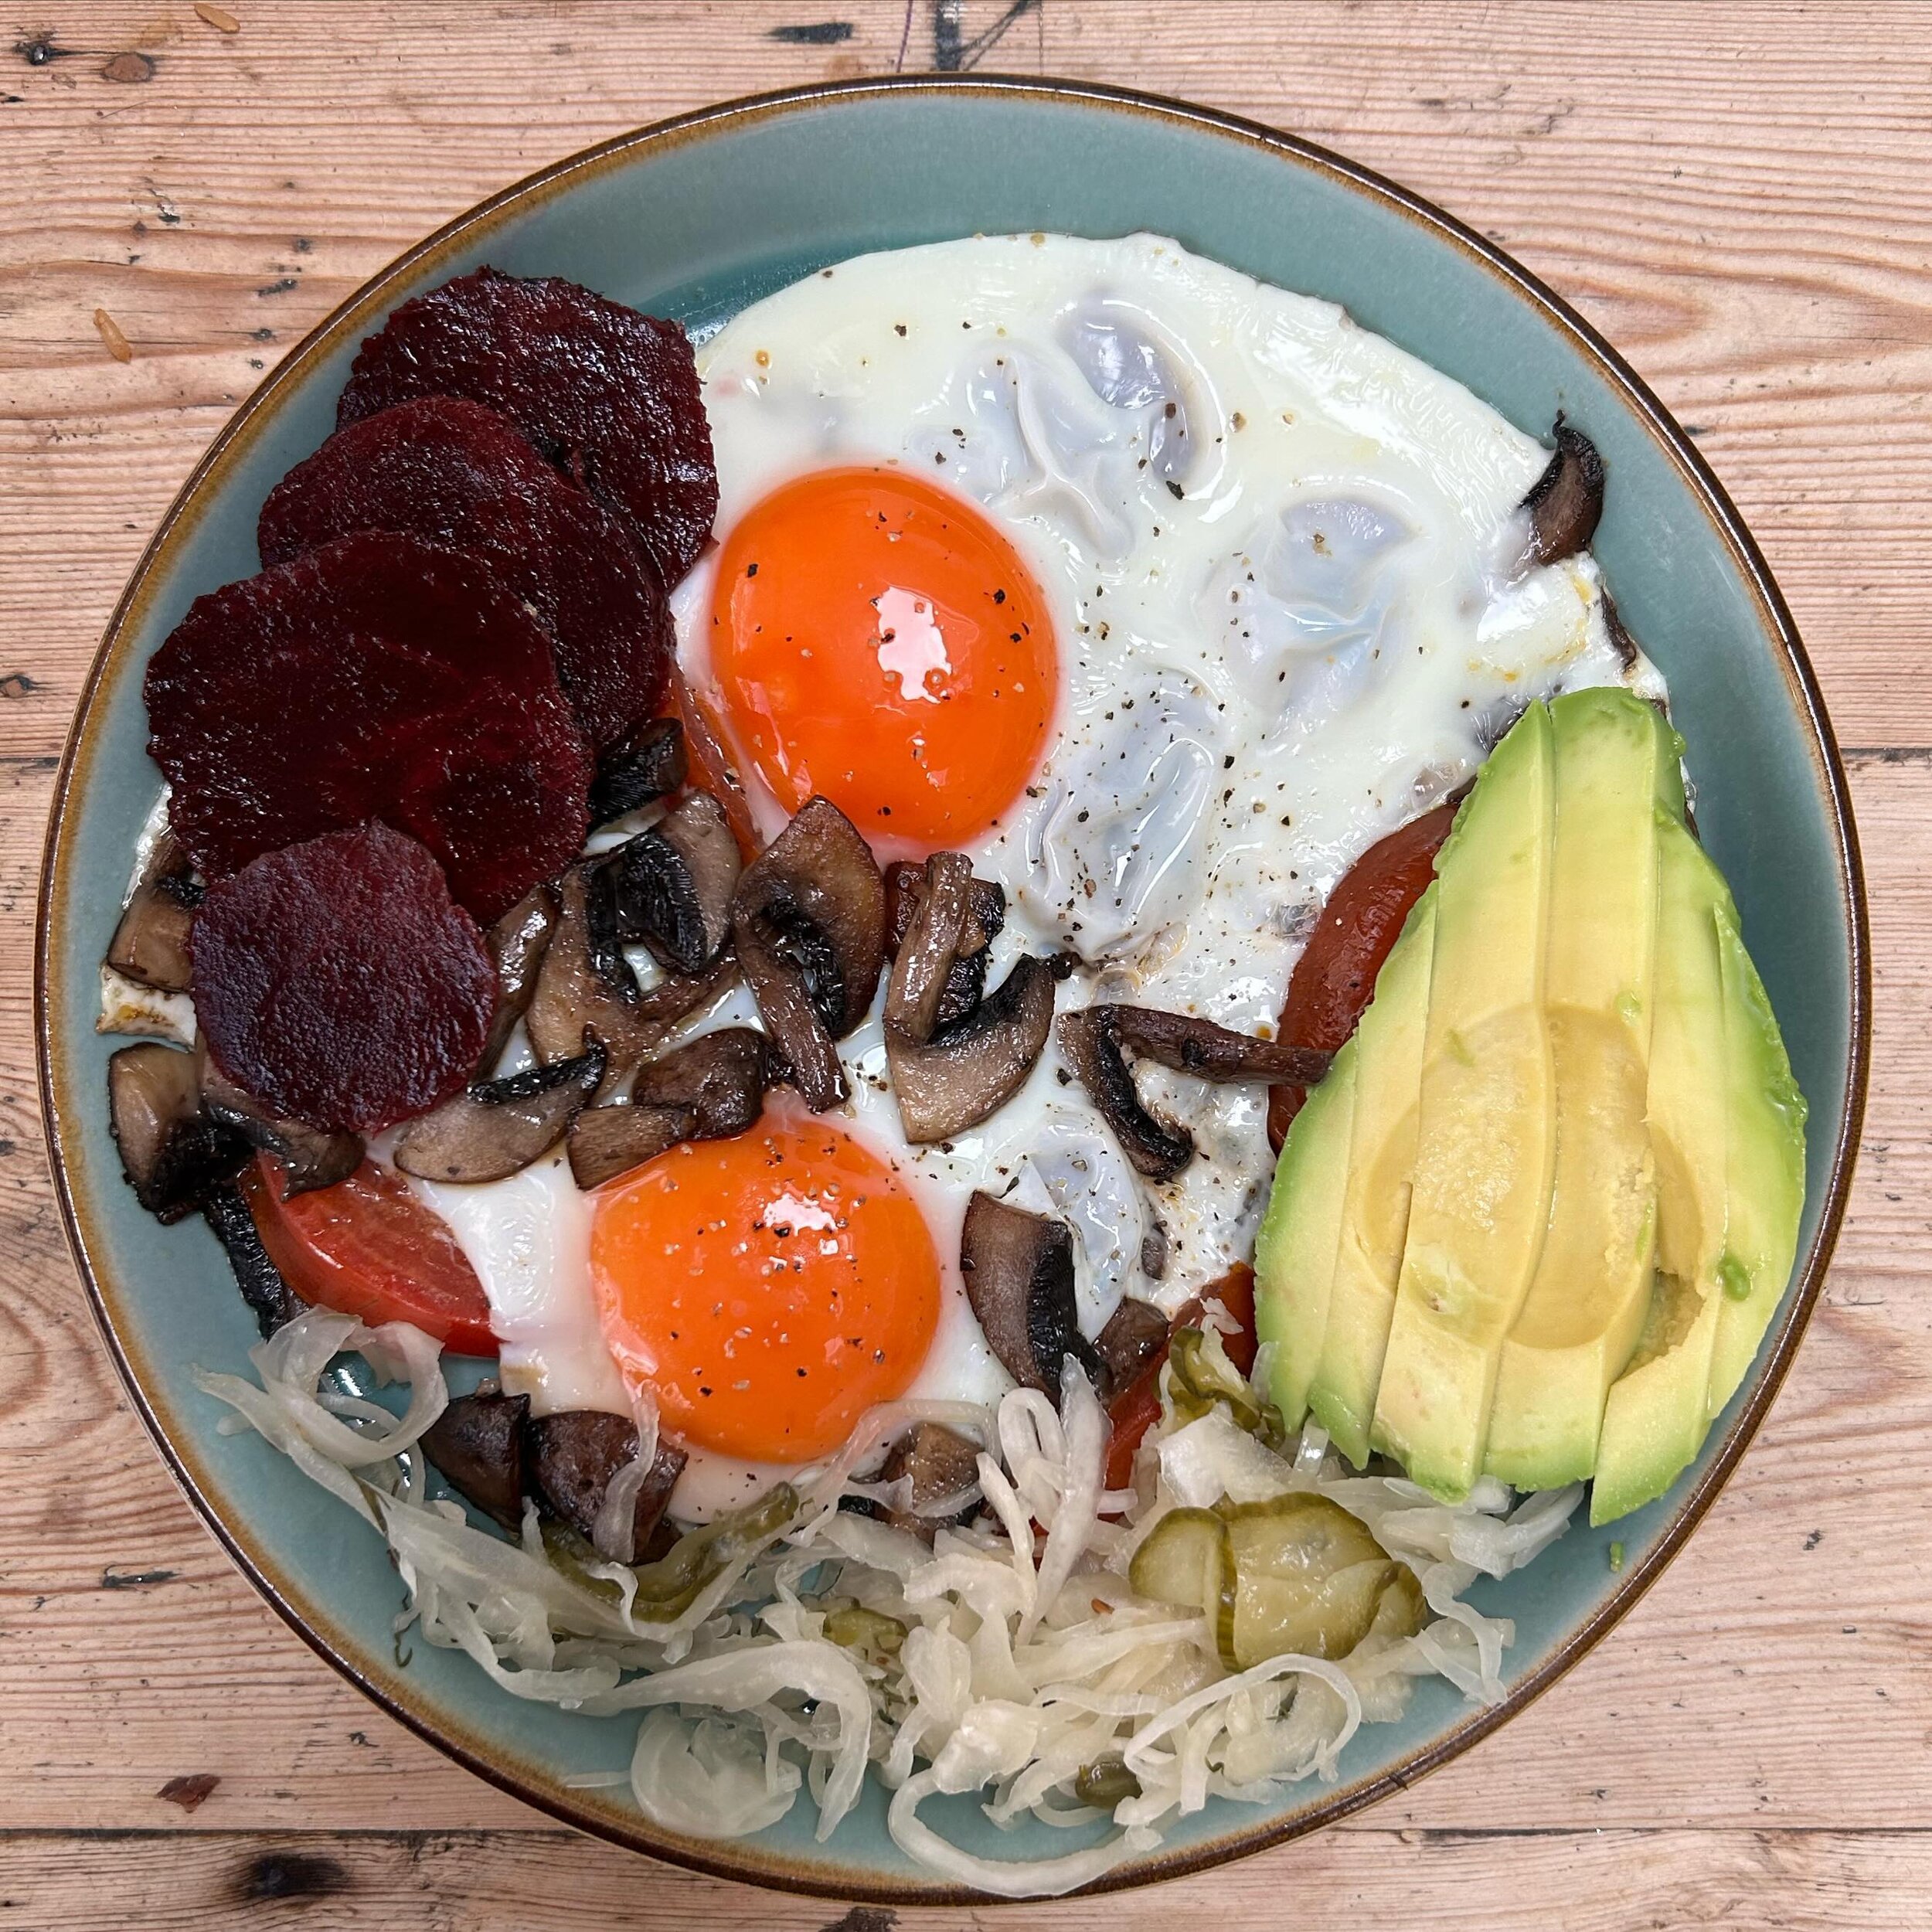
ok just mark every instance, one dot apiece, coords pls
pixel 767 1290
pixel 875 639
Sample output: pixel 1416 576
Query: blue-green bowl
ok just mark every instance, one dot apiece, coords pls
pixel 695 218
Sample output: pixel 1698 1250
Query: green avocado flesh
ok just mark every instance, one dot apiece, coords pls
pixel 1536 1222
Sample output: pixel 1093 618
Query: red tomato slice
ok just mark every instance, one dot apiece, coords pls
pixel 1137 1406
pixel 369 1248
pixel 1335 975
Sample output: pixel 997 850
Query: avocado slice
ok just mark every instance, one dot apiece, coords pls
pixel 1764 1161
pixel 1375 1210
pixel 1486 1134
pixel 1656 1416
pixel 1294 1252
pixel 1617 762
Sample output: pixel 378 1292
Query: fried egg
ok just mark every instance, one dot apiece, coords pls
pixel 1160 592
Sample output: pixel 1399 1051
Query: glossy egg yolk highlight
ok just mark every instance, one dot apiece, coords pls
pixel 875 639
pixel 767 1290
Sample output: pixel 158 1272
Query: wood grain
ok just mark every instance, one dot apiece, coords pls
pixel 1742 198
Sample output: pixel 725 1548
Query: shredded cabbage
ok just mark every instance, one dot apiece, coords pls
pixel 1025 1660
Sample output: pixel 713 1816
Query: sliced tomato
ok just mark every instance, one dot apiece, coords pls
pixel 1137 1406
pixel 1335 975
pixel 369 1248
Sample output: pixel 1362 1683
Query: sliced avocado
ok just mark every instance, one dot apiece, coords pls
pixel 1765 1165
pixel 1486 1134
pixel 1375 1211
pixel 1294 1252
pixel 1617 761
pixel 1655 1417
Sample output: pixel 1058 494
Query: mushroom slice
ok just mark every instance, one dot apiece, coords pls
pixel 933 938
pixel 1565 502
pixel 605 1141
pixel 1018 1270
pixel 518 942
pixel 651 764
pixel 174 1154
pixel 905 883
pixel 712 1088
pixel 226 1211
pixel 587 985
pixel 940 1469
pixel 308 1156
pixel 976 1064
pixel 1188 1045
pixel 1131 1337
pixel 809 921
pixel 478 1442
pixel 573 1458
pixel 672 886
pixel 150 945
pixel 498 1127
pixel 1157 1148
pixel 1097 1040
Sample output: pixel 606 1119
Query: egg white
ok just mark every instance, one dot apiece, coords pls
pixel 1280 553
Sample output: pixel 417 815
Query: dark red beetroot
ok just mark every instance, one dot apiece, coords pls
pixel 458 473
pixel 338 982
pixel 378 677
pixel 1335 977
pixel 609 396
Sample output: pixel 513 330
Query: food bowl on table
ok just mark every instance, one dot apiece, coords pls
pixel 693 220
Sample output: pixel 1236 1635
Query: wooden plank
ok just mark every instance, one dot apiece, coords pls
pixel 1747 215
pixel 1747 1881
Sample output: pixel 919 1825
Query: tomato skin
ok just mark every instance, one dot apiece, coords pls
pixel 369 1247
pixel 1335 975
pixel 1137 1406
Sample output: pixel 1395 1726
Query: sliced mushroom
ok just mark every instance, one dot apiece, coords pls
pixel 150 945
pixel 174 1154
pixel 478 1442
pixel 308 1156
pixel 1620 640
pixel 1019 1271
pixel 712 1088
pixel 226 1211
pixel 518 942
pixel 1097 1040
pixel 1565 502
pixel 672 886
pixel 1188 1045
pixel 498 1127
pixel 1157 1148
pixel 809 921
pixel 932 941
pixel 939 1470
pixel 605 1141
pixel 1130 1339
pixel 967 1070
pixel 652 765
pixel 578 991
pixel 905 882
pixel 574 1455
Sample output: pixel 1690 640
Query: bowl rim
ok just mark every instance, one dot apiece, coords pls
pixel 823 1878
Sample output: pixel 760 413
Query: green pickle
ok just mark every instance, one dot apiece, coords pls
pixel 1199 1380
pixel 1105 1783
pixel 668 1588
pixel 855 1628
pixel 1297 1575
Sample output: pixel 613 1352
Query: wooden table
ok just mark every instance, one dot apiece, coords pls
pixel 1741 197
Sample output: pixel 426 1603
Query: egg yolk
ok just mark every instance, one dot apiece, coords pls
pixel 875 639
pixel 767 1290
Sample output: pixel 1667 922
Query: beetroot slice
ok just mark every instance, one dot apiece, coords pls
pixel 338 982
pixel 378 677
pixel 458 474
pixel 608 395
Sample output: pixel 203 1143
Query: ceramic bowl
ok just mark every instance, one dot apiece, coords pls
pixel 695 218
